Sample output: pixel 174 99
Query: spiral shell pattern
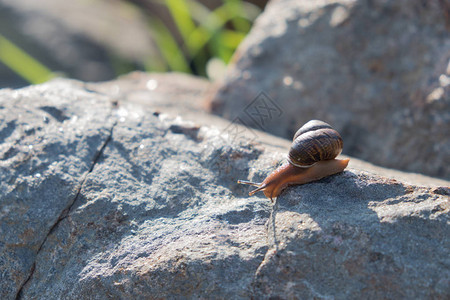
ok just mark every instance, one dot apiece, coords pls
pixel 315 141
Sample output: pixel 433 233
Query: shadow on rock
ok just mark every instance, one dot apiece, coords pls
pixel 350 236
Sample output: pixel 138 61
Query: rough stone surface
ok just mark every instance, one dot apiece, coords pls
pixel 135 203
pixel 355 236
pixel 49 140
pixel 379 71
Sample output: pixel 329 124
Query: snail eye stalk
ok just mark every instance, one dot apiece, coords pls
pixel 259 185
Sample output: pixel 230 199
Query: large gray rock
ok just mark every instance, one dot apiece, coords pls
pixel 135 203
pixel 50 139
pixel 379 71
pixel 355 238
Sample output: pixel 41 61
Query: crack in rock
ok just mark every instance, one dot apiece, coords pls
pixel 270 245
pixel 66 211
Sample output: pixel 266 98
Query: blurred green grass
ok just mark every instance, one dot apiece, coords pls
pixel 193 37
pixel 23 64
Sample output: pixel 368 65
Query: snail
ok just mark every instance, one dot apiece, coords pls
pixel 312 156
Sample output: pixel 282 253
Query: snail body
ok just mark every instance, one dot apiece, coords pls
pixel 312 156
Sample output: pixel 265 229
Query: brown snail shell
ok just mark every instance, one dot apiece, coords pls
pixel 312 157
pixel 315 141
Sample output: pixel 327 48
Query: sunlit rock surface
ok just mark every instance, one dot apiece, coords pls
pixel 106 192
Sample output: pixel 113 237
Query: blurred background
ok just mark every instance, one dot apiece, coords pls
pixel 97 40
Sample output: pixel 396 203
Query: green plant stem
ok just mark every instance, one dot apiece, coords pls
pixel 23 64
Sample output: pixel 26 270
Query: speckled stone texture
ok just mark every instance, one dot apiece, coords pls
pixel 50 137
pixel 135 202
pixel 378 70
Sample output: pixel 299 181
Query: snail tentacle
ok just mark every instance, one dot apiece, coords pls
pixel 261 186
pixel 248 182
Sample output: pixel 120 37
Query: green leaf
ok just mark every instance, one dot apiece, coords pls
pixel 23 64
pixel 182 17
pixel 168 47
